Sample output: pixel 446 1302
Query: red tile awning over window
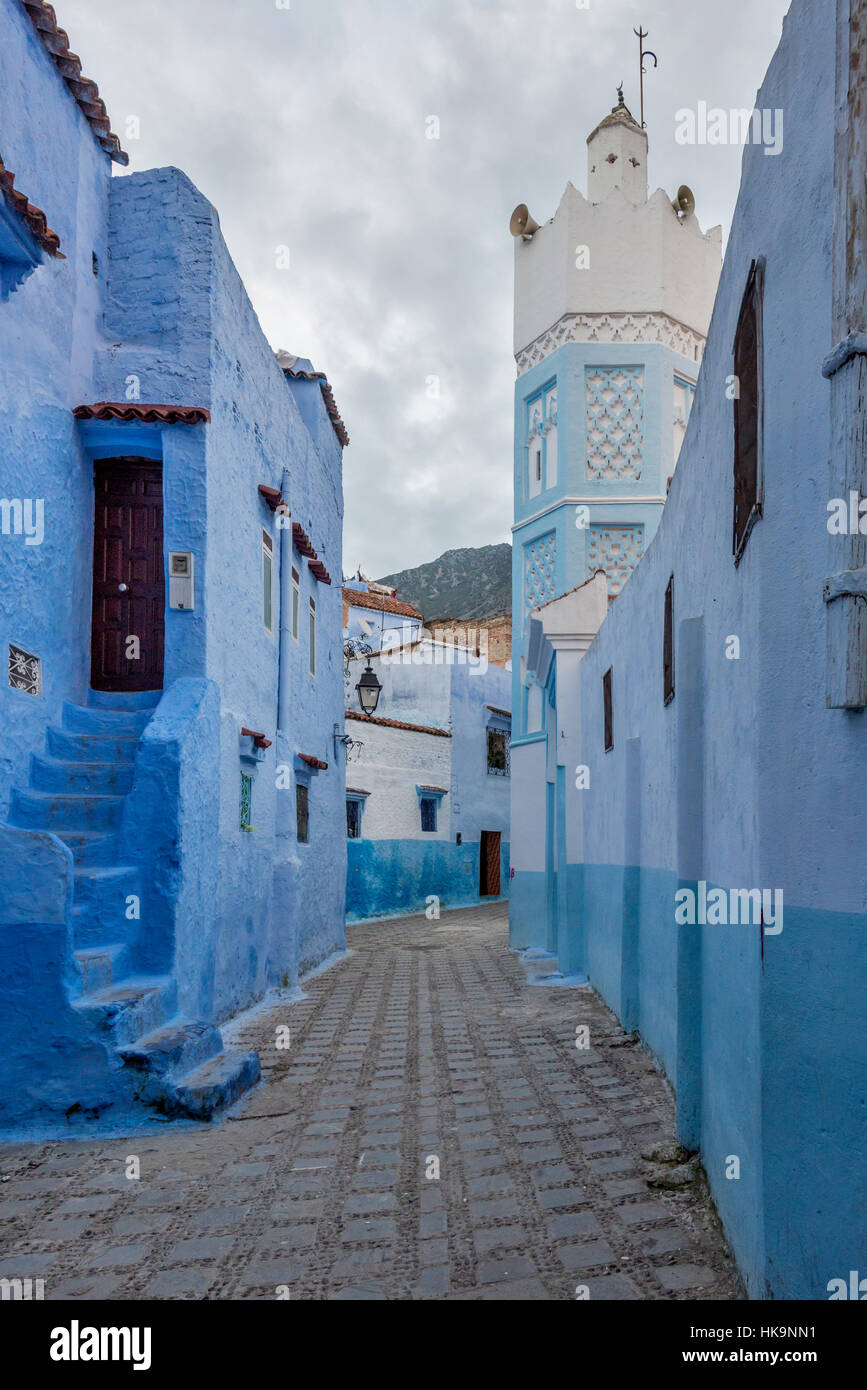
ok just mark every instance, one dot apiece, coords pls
pixel 32 217
pixel 309 759
pixel 147 413
pixel 259 740
pixel 301 541
pixel 272 495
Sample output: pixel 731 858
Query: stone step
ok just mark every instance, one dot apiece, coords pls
pixel 98 779
pixel 99 903
pixel 36 810
pixel 177 1047
pixel 132 1007
pixel 100 966
pixel 119 723
pixel 124 699
pixel 213 1085
pixel 90 748
pixel 90 846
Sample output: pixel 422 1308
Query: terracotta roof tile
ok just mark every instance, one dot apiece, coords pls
pixel 309 759
pixel 272 495
pixel 259 740
pixel 358 791
pixel 321 573
pixel 397 724
pixel 360 598
pixel 68 64
pixel 34 217
pixel 139 410
pixel 495 709
pixel 443 791
pixel 301 541
pixel 327 395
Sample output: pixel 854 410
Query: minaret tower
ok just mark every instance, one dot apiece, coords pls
pixel 613 299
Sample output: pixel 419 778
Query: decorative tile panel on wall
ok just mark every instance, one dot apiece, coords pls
pixel 616 550
pixel 25 671
pixel 540 558
pixel 615 422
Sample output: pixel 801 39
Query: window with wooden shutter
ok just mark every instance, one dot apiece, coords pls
pixel 302 813
pixel 608 711
pixel 668 644
pixel 748 409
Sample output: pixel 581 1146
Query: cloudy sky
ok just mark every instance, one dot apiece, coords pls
pixel 307 123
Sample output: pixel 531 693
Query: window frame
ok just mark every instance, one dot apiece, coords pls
pixel 357 805
pixel 432 801
pixel 505 770
pixel 311 636
pixel 268 592
pixel 302 795
pixel 246 800
pixel 608 709
pixel 751 304
pixel 668 684
pixel 295 607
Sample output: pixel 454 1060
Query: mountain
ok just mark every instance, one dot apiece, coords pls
pixel 471 583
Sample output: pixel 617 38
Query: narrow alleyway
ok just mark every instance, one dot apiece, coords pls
pixel 426 1045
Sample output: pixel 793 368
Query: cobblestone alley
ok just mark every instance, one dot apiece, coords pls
pixel 427 1045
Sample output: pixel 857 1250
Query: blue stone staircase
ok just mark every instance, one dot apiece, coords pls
pixel 77 791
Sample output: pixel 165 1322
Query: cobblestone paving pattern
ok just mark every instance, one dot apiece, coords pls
pixel 427 1042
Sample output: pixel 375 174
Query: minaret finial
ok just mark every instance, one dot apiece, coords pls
pixel 620 101
pixel 641 35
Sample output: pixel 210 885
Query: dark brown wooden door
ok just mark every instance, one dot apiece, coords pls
pixel 129 591
pixel 489 855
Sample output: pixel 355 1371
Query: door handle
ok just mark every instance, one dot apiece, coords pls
pixel 123 588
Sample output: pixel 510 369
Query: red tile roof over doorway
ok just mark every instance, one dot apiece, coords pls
pixel 68 64
pixel 147 412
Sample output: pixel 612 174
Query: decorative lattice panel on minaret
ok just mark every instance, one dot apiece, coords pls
pixel 615 423
pixel 616 550
pixel 540 559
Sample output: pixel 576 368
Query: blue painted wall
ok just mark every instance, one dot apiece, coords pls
pixel 50 328
pixel 746 779
pixel 224 911
pixel 395 867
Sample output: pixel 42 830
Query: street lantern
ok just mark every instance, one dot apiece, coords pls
pixel 368 690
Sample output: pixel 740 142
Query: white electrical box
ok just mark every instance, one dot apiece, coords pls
pixel 181 579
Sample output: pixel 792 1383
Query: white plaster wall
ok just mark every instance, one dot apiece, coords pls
pixel 415 687
pixel 389 766
pixel 480 801
pixel 528 810
pixel 381 629
pixel 626 144
pixel 570 624
pixel 642 258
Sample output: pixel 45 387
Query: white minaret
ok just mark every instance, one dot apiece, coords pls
pixel 617 157
pixel 613 299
